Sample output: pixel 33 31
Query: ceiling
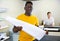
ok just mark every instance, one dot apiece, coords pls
pixel 30 0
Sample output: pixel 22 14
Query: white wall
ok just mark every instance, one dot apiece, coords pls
pixel 13 7
pixel 40 8
pixel 52 6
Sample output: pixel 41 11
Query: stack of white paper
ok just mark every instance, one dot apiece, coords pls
pixel 28 28
pixel 54 29
pixel 2 27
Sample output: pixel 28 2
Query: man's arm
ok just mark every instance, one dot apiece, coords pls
pixel 52 24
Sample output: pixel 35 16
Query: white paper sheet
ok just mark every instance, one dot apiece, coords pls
pixel 2 27
pixel 28 28
pixel 54 29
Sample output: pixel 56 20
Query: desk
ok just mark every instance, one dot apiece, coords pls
pixel 54 32
pixel 53 29
pixel 50 38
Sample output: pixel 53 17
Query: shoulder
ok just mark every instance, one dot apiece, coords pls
pixel 52 18
pixel 33 16
pixel 19 16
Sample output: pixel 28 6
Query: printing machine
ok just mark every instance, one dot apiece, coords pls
pixel 53 34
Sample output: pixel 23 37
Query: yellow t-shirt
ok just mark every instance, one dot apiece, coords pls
pixel 30 19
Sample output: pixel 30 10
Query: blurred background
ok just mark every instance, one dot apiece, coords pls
pixel 40 8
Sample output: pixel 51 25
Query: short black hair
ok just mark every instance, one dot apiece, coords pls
pixel 48 13
pixel 28 3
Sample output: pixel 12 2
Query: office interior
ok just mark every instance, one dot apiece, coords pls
pixel 14 8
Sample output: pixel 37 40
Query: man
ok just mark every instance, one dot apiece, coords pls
pixel 50 20
pixel 29 18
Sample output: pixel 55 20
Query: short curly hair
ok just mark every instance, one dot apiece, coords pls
pixel 28 3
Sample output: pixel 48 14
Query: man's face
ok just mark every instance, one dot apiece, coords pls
pixel 28 8
pixel 49 15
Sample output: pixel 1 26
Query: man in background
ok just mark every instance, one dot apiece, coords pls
pixel 50 20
